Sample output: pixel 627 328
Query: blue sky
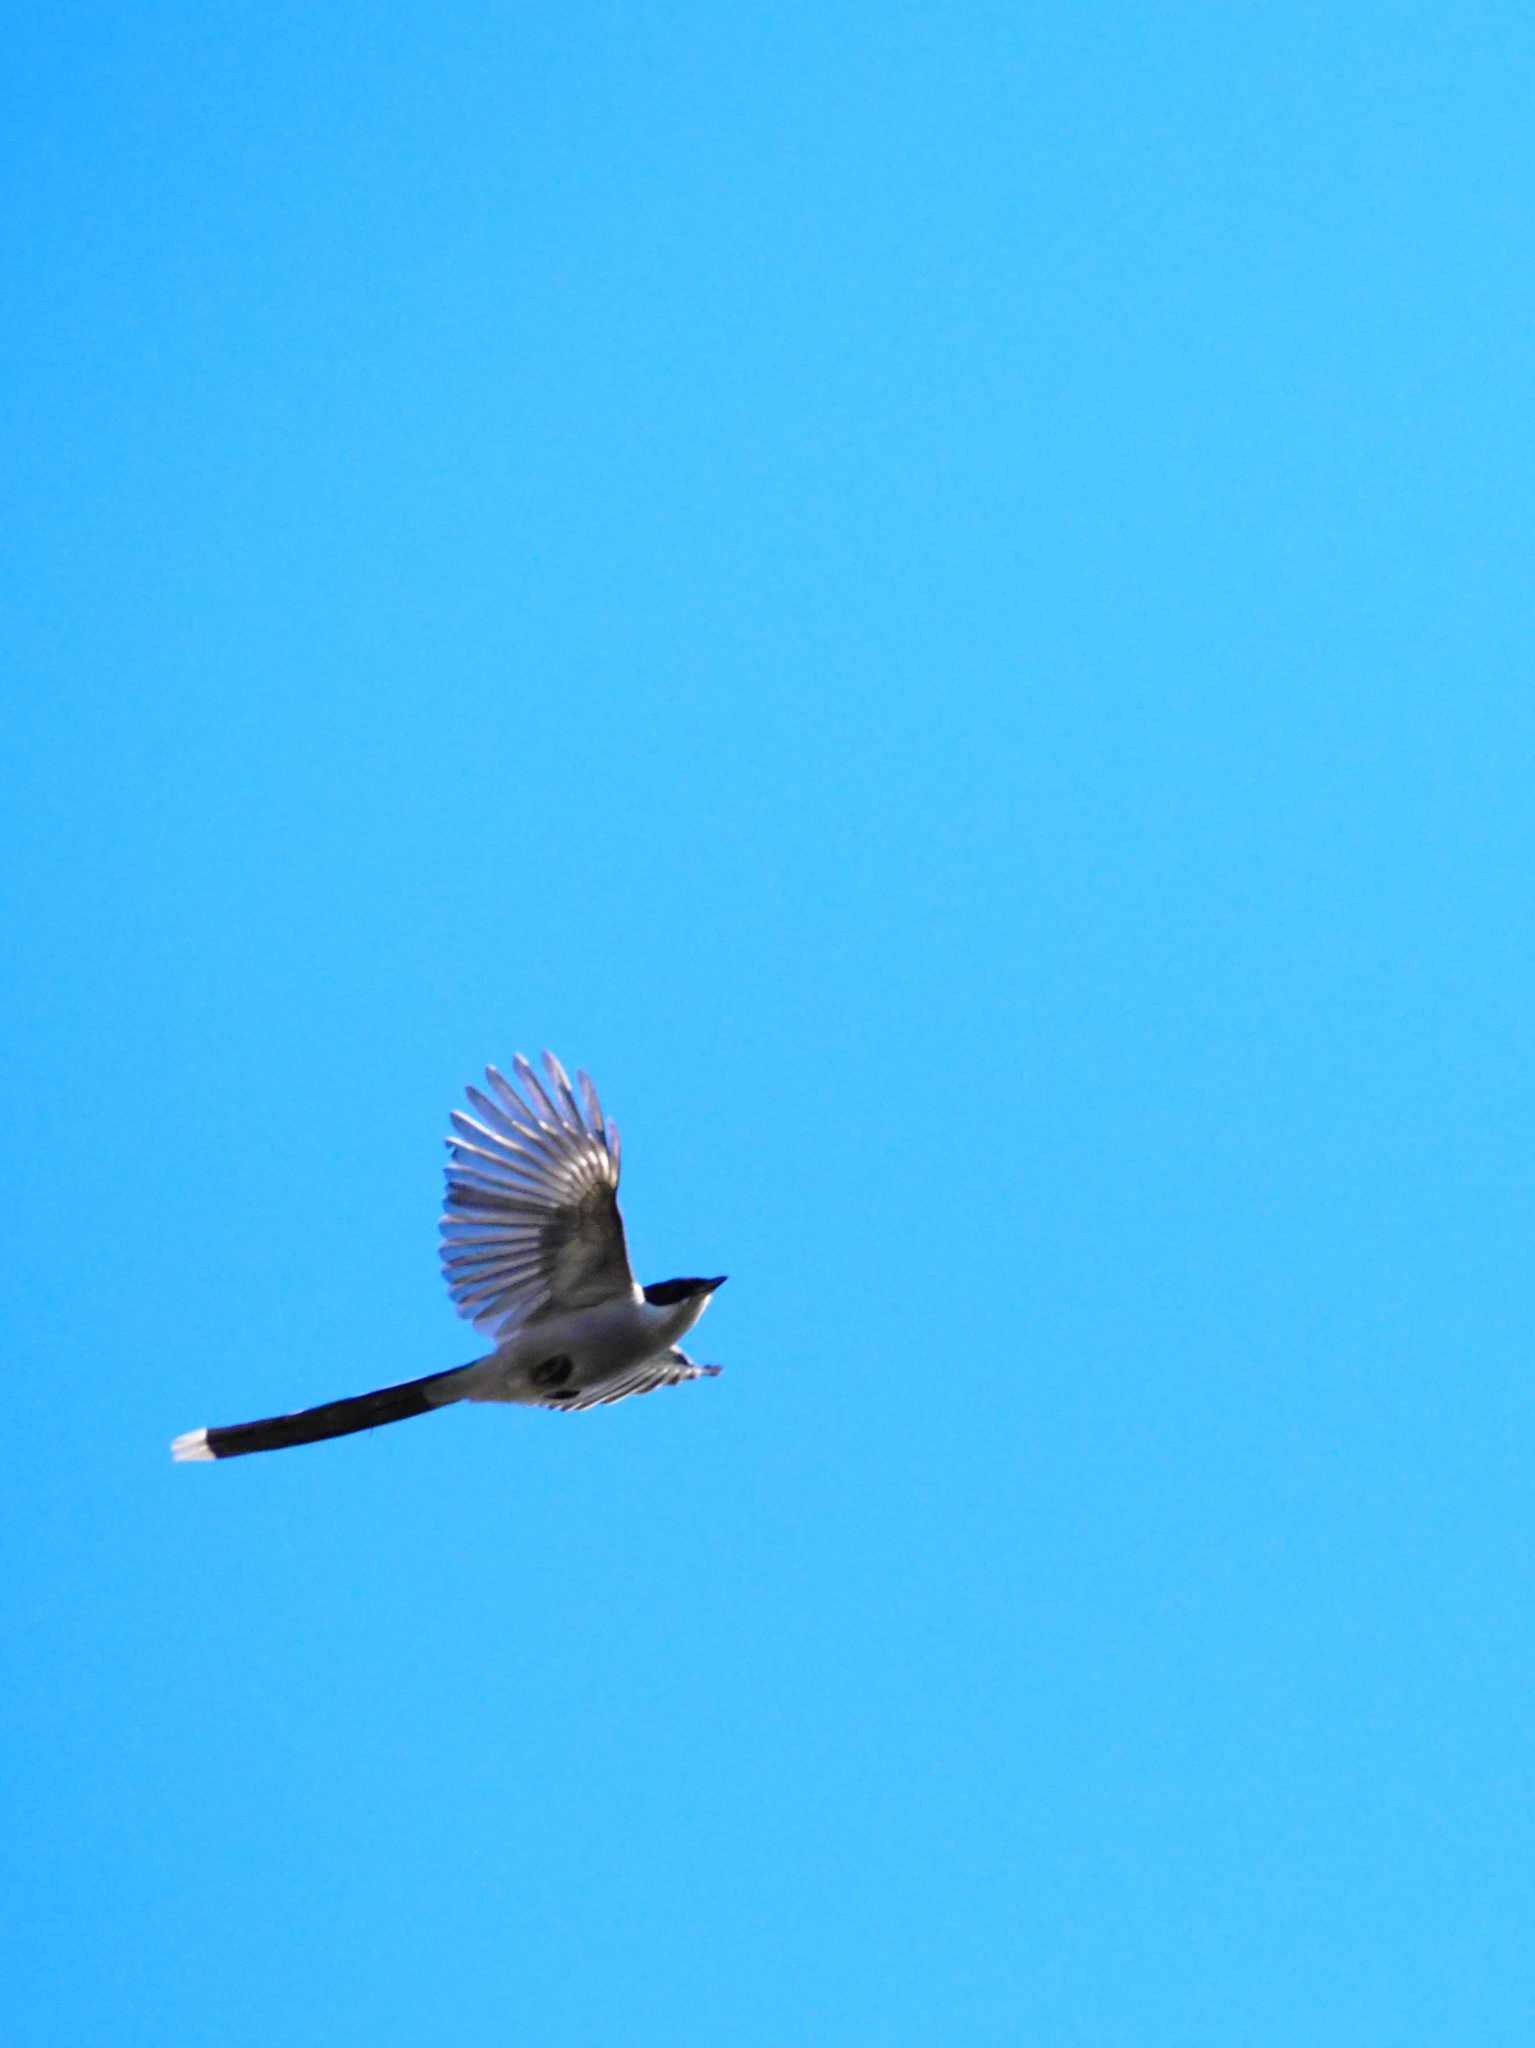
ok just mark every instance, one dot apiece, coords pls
pixel 940 596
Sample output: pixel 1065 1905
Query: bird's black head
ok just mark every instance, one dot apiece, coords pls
pixel 667 1293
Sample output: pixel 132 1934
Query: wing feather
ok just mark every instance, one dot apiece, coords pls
pixel 669 1370
pixel 530 1223
pixel 589 1097
pixel 535 1090
pixel 561 1081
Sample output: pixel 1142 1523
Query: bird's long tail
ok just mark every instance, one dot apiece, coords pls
pixel 314 1425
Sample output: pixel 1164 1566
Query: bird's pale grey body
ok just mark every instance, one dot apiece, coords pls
pixel 534 1255
pixel 607 1348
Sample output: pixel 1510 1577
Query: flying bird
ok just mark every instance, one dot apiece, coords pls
pixel 533 1253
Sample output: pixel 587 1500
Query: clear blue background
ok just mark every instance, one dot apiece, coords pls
pixel 939 594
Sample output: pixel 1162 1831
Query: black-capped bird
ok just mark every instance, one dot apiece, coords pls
pixel 533 1250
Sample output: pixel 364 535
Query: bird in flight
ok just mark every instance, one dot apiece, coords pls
pixel 533 1252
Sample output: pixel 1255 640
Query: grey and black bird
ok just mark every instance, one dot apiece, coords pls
pixel 534 1254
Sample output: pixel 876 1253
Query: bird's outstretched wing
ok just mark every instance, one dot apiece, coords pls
pixel 669 1370
pixel 531 1225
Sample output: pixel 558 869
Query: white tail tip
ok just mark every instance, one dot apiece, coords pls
pixel 192 1446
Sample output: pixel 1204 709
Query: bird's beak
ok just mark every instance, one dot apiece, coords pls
pixel 712 1284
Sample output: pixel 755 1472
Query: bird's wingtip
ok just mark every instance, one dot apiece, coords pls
pixel 192 1447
